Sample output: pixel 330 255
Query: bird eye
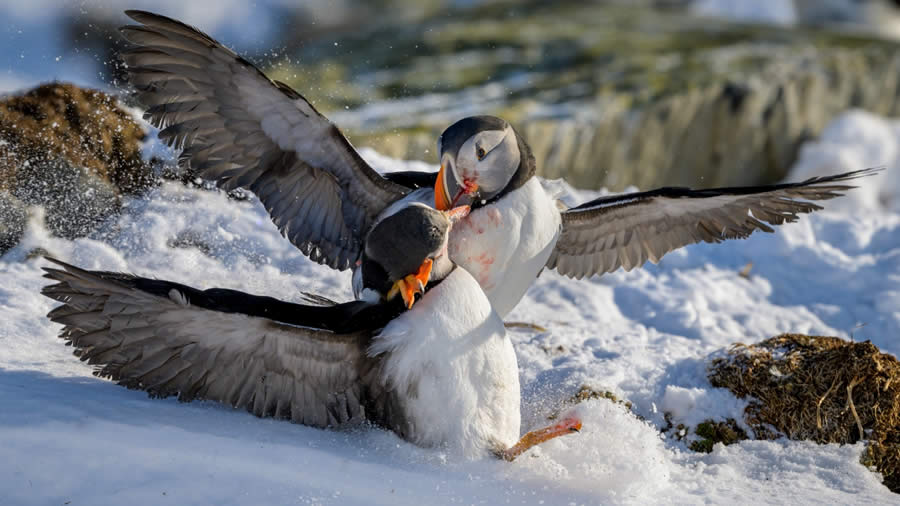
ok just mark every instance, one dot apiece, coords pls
pixel 480 153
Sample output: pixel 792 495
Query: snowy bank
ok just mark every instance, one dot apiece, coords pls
pixel 644 335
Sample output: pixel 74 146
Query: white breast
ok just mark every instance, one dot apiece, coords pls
pixel 449 357
pixel 506 244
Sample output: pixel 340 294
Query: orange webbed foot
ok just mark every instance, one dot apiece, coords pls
pixel 567 426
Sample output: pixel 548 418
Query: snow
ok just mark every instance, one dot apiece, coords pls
pixel 758 11
pixel 857 139
pixel 644 335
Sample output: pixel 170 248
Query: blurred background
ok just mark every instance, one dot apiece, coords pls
pixel 608 93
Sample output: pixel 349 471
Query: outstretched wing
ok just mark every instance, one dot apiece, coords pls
pixel 148 335
pixel 627 230
pixel 240 129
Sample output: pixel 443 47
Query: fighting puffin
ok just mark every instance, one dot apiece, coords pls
pixel 240 129
pixel 441 374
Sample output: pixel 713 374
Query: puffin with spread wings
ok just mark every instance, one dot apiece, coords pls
pixel 440 374
pixel 240 129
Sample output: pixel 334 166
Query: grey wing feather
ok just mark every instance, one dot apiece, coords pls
pixel 167 347
pixel 240 129
pixel 629 229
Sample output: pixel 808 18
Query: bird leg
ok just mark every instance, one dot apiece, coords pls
pixel 536 437
pixel 412 284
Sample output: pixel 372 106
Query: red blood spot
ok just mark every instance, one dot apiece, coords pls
pixel 484 259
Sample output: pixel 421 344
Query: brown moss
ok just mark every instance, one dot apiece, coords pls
pixel 680 430
pixel 73 151
pixel 84 127
pixel 823 389
pixel 712 432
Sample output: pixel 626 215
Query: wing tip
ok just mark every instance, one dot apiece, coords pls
pixel 846 176
pixel 66 268
pixel 146 17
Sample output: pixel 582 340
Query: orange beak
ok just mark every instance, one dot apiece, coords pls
pixel 441 199
pixel 412 284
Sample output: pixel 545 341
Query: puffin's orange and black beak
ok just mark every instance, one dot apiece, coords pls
pixel 442 199
pixel 412 284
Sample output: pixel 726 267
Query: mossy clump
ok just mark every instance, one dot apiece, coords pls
pixel 712 432
pixel 586 393
pixel 680 431
pixel 823 389
pixel 87 128
pixel 72 150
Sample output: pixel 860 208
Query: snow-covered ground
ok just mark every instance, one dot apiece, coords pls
pixel 644 335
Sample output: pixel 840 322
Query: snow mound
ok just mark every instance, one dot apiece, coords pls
pixel 857 139
pixel 615 457
pixel 645 335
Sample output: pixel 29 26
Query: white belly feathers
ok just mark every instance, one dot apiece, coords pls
pixel 451 355
pixel 505 245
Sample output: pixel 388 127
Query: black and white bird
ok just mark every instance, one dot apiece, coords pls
pixel 442 373
pixel 516 228
pixel 242 130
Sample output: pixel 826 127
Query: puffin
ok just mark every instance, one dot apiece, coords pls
pixel 442 373
pixel 516 228
pixel 240 129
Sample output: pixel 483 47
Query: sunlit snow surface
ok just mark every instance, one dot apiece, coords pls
pixel 67 436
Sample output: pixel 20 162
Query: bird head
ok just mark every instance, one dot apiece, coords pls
pixel 407 249
pixel 481 157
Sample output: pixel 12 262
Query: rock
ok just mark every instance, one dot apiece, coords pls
pixel 71 150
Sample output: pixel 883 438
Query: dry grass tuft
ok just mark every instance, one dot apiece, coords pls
pixel 823 389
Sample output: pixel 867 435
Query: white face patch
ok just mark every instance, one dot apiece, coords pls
pixel 489 158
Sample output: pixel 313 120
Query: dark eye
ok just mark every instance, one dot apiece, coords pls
pixel 480 153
